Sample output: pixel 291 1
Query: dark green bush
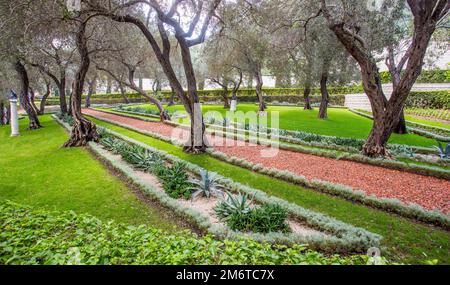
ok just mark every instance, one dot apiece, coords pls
pixel 176 181
pixel 429 99
pixel 265 219
pixel 40 237
pixel 426 76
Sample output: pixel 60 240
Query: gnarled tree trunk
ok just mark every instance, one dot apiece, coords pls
pixel 2 113
pixel 324 91
pixel 259 93
pixel 83 130
pixel 123 93
pixel 306 97
pixel 24 98
pixel 172 97
pixel 44 99
pixel 32 98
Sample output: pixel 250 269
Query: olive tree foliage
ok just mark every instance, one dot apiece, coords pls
pixel 130 54
pixel 20 22
pixel 187 22
pixel 244 29
pixel 359 27
pixel 225 66
pixel 5 86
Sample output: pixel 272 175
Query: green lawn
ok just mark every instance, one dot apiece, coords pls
pixel 36 171
pixel 340 122
pixel 427 122
pixel 403 239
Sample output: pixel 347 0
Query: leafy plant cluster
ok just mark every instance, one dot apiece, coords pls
pixel 140 110
pixel 413 211
pixel 175 178
pixel 443 114
pixel 443 150
pixel 31 236
pixel 240 215
pixel 343 237
pixel 429 99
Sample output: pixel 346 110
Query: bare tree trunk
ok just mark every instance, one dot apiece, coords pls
pixel 123 93
pixel 323 89
pixel 427 14
pixel 44 99
pixel 62 95
pixel 226 103
pixel 259 93
pixel 32 98
pixel 172 97
pixel 83 130
pixel 306 94
pixel 2 113
pixel 24 98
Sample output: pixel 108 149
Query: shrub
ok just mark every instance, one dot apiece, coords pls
pixel 176 181
pixel 207 186
pixel 265 219
pixel 32 236
pixel 233 205
pixel 429 99
pixel 443 152
pixel 426 76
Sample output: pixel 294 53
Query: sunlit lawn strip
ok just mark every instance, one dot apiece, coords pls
pixel 402 238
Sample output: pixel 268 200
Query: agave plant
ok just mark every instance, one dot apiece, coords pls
pixel 148 161
pixel 207 186
pixel 102 133
pixel 444 153
pixel 108 142
pixel 239 204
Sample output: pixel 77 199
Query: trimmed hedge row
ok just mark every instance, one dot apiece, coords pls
pixel 412 211
pixel 436 133
pixel 341 237
pixel 429 99
pixel 426 76
pixel 32 237
pixel 398 165
pixel 419 99
pixel 432 113
pixel 392 205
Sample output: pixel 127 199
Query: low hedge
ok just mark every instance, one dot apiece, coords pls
pixel 432 113
pixel 426 76
pixel 429 99
pixel 417 99
pixel 341 237
pixel 391 205
pixel 31 236
pixel 330 153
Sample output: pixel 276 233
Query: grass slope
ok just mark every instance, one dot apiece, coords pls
pixel 36 171
pixel 340 122
pixel 403 240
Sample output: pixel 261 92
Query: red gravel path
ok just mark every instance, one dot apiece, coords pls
pixel 428 192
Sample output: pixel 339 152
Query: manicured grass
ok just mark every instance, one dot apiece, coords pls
pixel 403 240
pixel 340 122
pixel 427 122
pixel 36 171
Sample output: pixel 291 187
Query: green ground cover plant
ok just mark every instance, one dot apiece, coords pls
pixel 33 236
pixel 341 122
pixel 399 234
pixel 36 171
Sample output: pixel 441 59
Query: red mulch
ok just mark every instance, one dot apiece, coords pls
pixel 428 192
